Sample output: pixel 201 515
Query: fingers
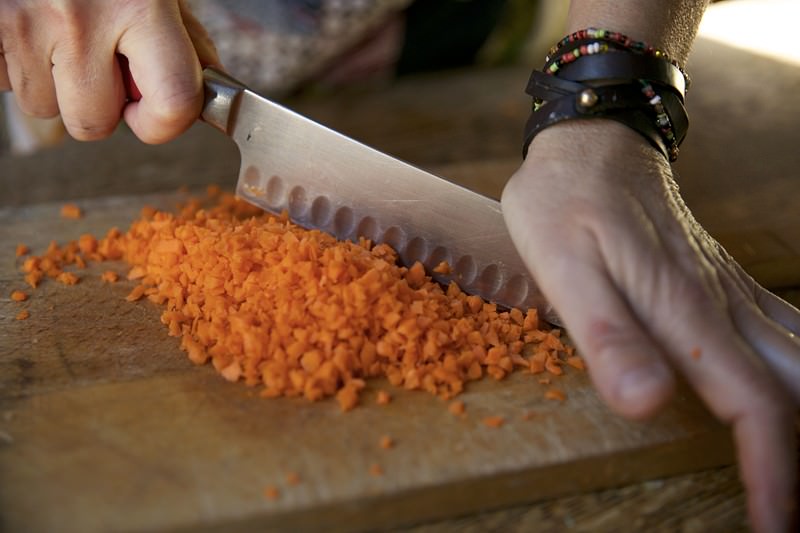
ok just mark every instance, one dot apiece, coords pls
pixel 627 367
pixel 761 318
pixel 26 66
pixel 625 268
pixel 170 83
pixel 740 363
pixel 88 85
pixel 625 364
pixel 5 84
pixel 775 308
pixel 63 57
pixel 766 448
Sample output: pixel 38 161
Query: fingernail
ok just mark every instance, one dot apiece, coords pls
pixel 642 382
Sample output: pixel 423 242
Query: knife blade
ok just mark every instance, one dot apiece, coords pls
pixel 330 182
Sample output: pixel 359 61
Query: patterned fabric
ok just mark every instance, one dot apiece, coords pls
pixel 274 45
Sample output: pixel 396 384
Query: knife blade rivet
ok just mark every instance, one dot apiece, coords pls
pixel 587 98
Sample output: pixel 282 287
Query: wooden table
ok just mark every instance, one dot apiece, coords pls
pixel 466 125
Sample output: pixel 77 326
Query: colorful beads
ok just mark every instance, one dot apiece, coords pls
pixel 662 120
pixel 582 50
pixel 615 38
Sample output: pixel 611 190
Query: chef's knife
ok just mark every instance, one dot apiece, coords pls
pixel 327 181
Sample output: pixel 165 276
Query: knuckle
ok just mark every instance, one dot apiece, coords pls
pixel 177 104
pixel 605 339
pixel 20 25
pixel 38 109
pixel 86 131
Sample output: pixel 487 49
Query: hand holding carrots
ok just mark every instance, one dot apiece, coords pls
pixel 63 57
pixel 645 292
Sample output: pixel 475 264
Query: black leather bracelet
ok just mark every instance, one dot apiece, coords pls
pixel 628 67
pixel 660 118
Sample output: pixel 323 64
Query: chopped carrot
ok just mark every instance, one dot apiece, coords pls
pixel 271 492
pixel 87 243
pixel 137 272
pixel 109 276
pixel 71 211
pixel 147 212
pixel 386 442
pixel 347 398
pixel 545 381
pixel 375 470
pixel 553 366
pixel 23 315
pixel 31 264
pixel 22 250
pixel 576 362
pixel 416 275
pixel 383 397
pixel 33 278
pixel 443 268
pixel 136 293
pixel 555 394
pixel 457 408
pixel 68 278
pixel 494 421
pixel 529 415
pixel 303 315
pixel 18 296
pixel 293 478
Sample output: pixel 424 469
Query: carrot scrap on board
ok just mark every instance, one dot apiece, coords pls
pixel 34 278
pixel 271 492
pixel 386 442
pixel 68 278
pixel 576 361
pixel 23 315
pixel 22 249
pixel 293 478
pixel 136 293
pixel 71 211
pixel 109 276
pixel 457 408
pixel 494 421
pixel 18 296
pixel 375 470
pixel 297 312
pixel 383 398
pixel 555 394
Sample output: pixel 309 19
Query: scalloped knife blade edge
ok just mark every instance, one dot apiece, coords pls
pixel 327 181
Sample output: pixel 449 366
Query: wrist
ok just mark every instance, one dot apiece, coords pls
pixel 593 142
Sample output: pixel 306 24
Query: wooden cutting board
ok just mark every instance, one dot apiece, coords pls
pixel 106 425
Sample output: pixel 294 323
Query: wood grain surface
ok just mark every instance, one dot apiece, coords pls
pixel 108 426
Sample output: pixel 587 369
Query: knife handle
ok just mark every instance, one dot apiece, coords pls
pixel 221 94
pixel 220 90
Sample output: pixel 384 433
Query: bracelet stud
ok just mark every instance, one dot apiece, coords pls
pixel 587 98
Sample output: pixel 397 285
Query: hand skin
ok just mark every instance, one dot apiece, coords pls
pixel 60 56
pixel 598 219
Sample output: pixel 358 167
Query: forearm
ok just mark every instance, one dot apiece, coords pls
pixel 669 25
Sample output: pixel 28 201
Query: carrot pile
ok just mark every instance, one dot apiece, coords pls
pixel 301 314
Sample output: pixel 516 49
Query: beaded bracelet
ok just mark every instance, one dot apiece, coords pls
pixel 596 55
pixel 620 39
